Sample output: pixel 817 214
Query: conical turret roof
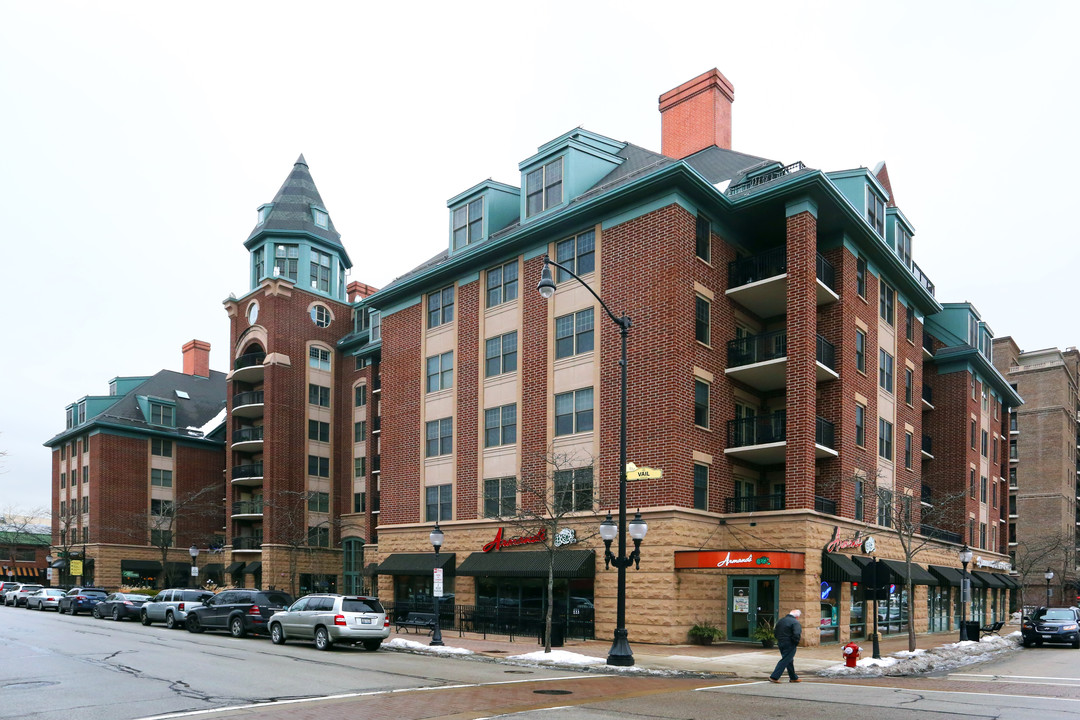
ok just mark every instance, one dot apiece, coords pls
pixel 292 207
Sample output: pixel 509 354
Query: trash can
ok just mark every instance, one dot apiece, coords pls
pixel 558 634
pixel 969 630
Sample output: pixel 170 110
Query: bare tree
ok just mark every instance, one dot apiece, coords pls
pixel 22 529
pixel 1035 555
pixel 299 531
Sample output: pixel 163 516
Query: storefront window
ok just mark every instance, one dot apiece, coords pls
pixel 315 583
pixel 830 595
pixel 957 609
pixel 415 591
pixel 937 601
pixel 858 613
pixel 893 613
pixel 978 604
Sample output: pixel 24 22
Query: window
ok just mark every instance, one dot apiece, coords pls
pixel 1012 477
pixel 860 351
pixel 701 403
pixel 438 503
pixel 86 530
pixel 885 370
pixel 574 412
pixel 286 261
pixel 574 334
pixel 973 435
pixel 885 507
pixel 318 466
pixel 468 223
pixel 321 218
pixel 439 435
pixel 885 438
pixel 320 315
pixel 82 413
pixel 577 253
pixel 500 354
pixel 500 497
pixel 875 212
pixel 500 425
pixel 360 395
pixel 318 537
pixel 63 451
pixel 887 303
pixel 319 395
pixel 702 238
pixel 360 431
pixel 69 417
pixel 259 260
pixel 982 535
pixel 502 284
pixel 860 425
pixel 359 504
pixel 318 431
pixel 971 482
pixel 160 538
pixel 376 325
pixel 160 478
pixel 543 188
pixel 320 272
pixel 440 372
pixel 903 245
pixel 984 447
pixel 86 504
pixel 909 444
pixel 909 386
pixel 63 483
pixel 63 508
pixel 162 415
pixel 86 474
pixel 360 467
pixel 161 508
pixel 982 489
pixel 859 489
pixel 319 358
pixel 860 276
pixel 972 391
pixel 994 493
pixel 994 448
pixel 1013 454
pixel 971 531
pixel 84 444
pixel 160 447
pixel 573 490
pixel 909 323
pixel 701 320
pixel 701 487
pixel 318 502
pixel 440 307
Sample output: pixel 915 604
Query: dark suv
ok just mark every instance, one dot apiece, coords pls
pixel 238 611
pixel 78 599
pixel 1052 625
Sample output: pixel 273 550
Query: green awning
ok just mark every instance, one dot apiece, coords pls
pixel 417 564
pixel 919 576
pixel 991 579
pixel 568 564
pixel 1010 582
pixel 212 568
pixel 253 568
pixel 234 568
pixel 839 568
pixel 946 575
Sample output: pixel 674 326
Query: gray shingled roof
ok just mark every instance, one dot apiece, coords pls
pixel 292 207
pixel 717 164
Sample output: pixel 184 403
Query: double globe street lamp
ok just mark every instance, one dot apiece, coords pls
pixel 965 592
pixel 436 538
pixel 1049 575
pixel 620 653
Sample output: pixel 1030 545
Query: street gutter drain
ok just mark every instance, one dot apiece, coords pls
pixel 518 672
pixel 553 692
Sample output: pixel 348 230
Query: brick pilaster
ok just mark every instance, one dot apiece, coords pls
pixel 801 373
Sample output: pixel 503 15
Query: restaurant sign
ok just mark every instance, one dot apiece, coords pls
pixel 739 560
pixel 500 542
pixel 858 541
pixel 996 564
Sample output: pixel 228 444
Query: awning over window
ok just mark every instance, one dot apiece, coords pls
pixel 234 568
pixel 991 579
pixel 1010 582
pixel 212 568
pixel 140 566
pixel 898 568
pixel 371 569
pixel 253 568
pixel 946 575
pixel 976 581
pixel 837 568
pixel 417 564
pixel 568 564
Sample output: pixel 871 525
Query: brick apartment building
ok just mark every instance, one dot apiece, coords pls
pixel 1044 476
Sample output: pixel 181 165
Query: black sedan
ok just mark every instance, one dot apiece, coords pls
pixel 119 606
pixel 1052 625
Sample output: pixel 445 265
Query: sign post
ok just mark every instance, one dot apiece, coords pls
pixel 437 582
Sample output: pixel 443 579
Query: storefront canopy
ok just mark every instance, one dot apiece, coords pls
pixel 1010 582
pixel 371 569
pixel 946 575
pixel 234 568
pixel 253 568
pixel 837 568
pixel 991 579
pixel 568 564
pixel 212 568
pixel 898 568
pixel 417 564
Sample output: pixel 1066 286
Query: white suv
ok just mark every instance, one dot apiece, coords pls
pixel 171 606
pixel 329 619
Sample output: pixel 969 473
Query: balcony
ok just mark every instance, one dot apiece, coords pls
pixel 247 508
pixel 824 505
pixel 754 503
pixel 927 397
pixel 247 439
pixel 250 474
pixel 759 283
pixel 927 344
pixel 921 278
pixel 375 464
pixel 249 368
pixel 927 495
pixel 248 404
pixel 247 543
pixel 376 424
pixel 376 384
pixel 761 360
pixel 763 439
pixel 938 534
pixel 927 447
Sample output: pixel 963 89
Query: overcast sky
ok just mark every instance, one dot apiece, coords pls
pixel 138 139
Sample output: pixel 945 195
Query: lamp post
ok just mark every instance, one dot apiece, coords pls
pixel 436 538
pixel 48 568
pixel 620 653
pixel 965 590
pixel 194 553
pixel 1049 575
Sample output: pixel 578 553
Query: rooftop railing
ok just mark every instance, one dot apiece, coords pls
pixel 249 360
pixel 764 178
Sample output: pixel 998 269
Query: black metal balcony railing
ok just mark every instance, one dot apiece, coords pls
pixel 247 507
pixel 825 272
pixel 375 502
pixel 826 353
pixel 824 433
pixel 247 471
pixel 920 276
pixel 251 397
pixel 247 542
pixel 771 263
pixel 1013 427
pixel 928 342
pixel 754 503
pixel 247 434
pixel 758 180
pixel 927 444
pixel 824 505
pixel 758 430
pixel 927 494
pixel 375 463
pixel 376 423
pixel 376 383
pixel 928 394
pixel 938 534
pixel 249 360
pixel 757 348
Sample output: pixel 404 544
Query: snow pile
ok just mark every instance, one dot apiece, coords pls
pixel 558 657
pixel 945 657
pixel 403 644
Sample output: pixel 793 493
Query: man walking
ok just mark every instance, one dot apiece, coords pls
pixel 788 633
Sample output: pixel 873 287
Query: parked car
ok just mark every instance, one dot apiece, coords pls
pixel 172 606
pixel 238 611
pixel 18 595
pixel 329 619
pixel 119 606
pixel 44 599
pixel 78 599
pixel 1051 625
pixel 5 586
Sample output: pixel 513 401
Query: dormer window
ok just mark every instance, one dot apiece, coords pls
pixel 543 188
pixel 69 418
pixel 264 213
pixel 903 245
pixel 82 412
pixel 875 212
pixel 468 223
pixel 162 414
pixel 321 217
pixel 376 326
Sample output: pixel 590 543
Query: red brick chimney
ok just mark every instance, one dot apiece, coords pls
pixel 696 115
pixel 357 290
pixel 197 358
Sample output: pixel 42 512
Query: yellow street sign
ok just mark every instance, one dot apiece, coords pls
pixel 76 568
pixel 633 472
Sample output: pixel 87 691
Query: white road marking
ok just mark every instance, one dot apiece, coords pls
pixel 925 691
pixel 1014 677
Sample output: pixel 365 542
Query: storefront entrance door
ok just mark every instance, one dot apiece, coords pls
pixel 751 601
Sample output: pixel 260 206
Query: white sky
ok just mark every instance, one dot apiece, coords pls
pixel 137 140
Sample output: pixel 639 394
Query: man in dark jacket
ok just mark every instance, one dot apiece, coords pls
pixel 788 632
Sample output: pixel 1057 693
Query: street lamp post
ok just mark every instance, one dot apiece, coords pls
pixel 1049 575
pixel 620 653
pixel 436 538
pixel 48 568
pixel 965 590
pixel 194 553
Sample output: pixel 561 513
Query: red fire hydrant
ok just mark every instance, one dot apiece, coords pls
pixel 851 654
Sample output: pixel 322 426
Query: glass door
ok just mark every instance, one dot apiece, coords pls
pixel 751 601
